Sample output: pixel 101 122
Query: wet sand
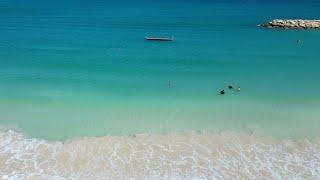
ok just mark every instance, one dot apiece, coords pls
pixel 199 155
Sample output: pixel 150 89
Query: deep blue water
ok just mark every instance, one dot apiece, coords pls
pixel 83 67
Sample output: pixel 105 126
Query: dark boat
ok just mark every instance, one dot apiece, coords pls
pixel 149 38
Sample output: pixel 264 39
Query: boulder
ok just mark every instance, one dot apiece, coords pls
pixel 292 24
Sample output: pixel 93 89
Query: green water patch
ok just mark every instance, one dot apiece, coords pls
pixel 151 115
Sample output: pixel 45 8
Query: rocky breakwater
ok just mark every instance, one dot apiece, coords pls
pixel 292 24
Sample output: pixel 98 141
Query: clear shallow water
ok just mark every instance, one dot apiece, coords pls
pixel 83 69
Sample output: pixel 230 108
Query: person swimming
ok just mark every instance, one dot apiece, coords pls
pixel 238 88
pixel 230 87
pixel 222 92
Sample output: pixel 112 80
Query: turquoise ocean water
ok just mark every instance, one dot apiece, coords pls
pixel 83 68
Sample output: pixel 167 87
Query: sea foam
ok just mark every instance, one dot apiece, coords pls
pixel 188 155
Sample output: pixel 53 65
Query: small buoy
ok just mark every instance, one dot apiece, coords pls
pixel 238 89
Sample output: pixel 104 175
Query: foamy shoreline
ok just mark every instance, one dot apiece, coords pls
pixel 177 155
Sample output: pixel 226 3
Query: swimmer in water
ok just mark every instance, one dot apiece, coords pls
pixel 222 92
pixel 238 89
pixel 230 87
